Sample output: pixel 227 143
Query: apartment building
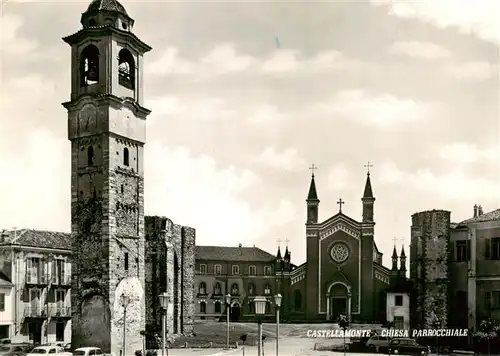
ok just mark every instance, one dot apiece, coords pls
pixel 6 315
pixel 36 265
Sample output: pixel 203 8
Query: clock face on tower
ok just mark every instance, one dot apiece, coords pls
pixel 87 118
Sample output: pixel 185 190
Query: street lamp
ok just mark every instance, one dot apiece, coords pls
pixel 124 300
pixel 277 301
pixel 164 301
pixel 260 309
pixel 228 307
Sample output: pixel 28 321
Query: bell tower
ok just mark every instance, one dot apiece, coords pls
pixel 107 130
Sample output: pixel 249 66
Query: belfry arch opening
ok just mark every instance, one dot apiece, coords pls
pixel 89 66
pixel 126 69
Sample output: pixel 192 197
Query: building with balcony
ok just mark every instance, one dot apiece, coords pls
pixel 6 307
pixel 37 265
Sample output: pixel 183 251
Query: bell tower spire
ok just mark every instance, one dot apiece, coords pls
pixel 368 199
pixel 107 130
pixel 312 200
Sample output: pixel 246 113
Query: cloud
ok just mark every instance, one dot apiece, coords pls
pixel 421 50
pixel 287 160
pixel 282 61
pixel 207 109
pixel 339 176
pixel 383 110
pixel 265 114
pixel 12 44
pixel 480 19
pixel 451 185
pixel 194 191
pixel 473 71
pixel 468 153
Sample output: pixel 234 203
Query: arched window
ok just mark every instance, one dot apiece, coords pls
pixel 297 300
pixel 251 289
pixel 125 156
pixel 203 288
pixel 90 155
pixel 89 66
pixel 217 307
pixel 203 307
pixel 235 289
pixel 126 69
pixel 217 289
pixel 267 289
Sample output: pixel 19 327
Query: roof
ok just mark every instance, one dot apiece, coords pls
pixel 368 193
pixel 491 216
pixel 241 254
pixel 106 5
pixel 313 195
pixel 40 238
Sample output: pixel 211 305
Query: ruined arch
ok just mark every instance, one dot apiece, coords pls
pixel 126 69
pixel 89 66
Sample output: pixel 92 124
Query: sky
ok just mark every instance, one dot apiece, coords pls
pixel 245 96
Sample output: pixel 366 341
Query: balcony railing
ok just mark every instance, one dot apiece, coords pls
pixel 56 311
pixel 36 312
pixel 61 280
pixel 32 278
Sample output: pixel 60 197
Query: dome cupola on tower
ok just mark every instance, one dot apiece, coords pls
pixel 102 13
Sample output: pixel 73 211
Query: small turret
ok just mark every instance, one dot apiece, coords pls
pixel 394 259
pixel 286 260
pixel 312 201
pixel 368 199
pixel 279 261
pixel 402 261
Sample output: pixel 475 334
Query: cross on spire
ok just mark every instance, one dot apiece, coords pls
pixel 340 203
pixel 286 242
pixel 394 240
pixel 278 241
pixel 313 168
pixel 368 166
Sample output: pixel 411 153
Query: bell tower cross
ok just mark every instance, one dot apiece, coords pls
pixel 107 130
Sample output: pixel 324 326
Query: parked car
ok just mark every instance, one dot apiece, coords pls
pixel 378 343
pixel 5 341
pixel 54 350
pixel 407 347
pixel 17 350
pixel 87 351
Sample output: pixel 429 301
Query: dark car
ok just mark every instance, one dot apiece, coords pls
pixel 407 347
pixel 14 350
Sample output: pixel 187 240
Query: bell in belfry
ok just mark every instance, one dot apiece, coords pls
pixel 92 74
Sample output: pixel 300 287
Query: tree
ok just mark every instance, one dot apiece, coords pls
pixel 488 329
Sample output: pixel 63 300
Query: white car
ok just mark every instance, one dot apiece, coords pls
pixel 53 350
pixel 87 351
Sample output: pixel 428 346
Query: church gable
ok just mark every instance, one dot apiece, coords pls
pixel 339 222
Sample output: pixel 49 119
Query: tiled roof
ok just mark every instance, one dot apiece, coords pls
pixel 241 254
pixel 106 5
pixel 491 216
pixel 39 238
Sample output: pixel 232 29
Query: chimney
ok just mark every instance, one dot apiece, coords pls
pixel 475 210
pixel 479 210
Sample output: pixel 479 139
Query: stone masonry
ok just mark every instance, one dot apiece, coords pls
pixel 430 235
pixel 170 267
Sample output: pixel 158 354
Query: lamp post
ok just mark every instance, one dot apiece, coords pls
pixel 164 301
pixel 260 309
pixel 277 301
pixel 228 307
pixel 124 302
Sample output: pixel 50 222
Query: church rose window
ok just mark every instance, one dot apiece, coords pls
pixel 339 252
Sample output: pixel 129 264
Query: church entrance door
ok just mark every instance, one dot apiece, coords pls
pixel 339 306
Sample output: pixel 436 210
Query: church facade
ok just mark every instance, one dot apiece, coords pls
pixel 343 273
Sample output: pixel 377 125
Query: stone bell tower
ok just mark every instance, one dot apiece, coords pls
pixel 107 130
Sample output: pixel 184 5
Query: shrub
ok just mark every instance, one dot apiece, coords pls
pixel 138 353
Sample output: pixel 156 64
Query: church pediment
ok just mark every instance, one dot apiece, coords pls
pixel 339 222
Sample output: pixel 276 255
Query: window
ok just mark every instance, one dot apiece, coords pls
pixel 297 299
pixel 52 351
pixel 125 157
pixel 217 289
pixel 252 270
pixel 217 307
pixel 2 302
pixel 203 269
pixel 90 155
pixel 235 289
pixel 218 269
pixel 268 307
pixel 251 289
pixel 399 322
pixel 462 250
pixel 236 269
pixel 493 300
pixel 203 307
pixel 398 300
pixel 267 289
pixel 203 288
pixel 126 261
pixel 267 270
pixel 492 250
pixel 98 352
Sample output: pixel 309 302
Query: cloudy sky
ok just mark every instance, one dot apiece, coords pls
pixel 238 116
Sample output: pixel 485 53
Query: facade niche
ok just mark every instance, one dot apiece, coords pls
pixel 89 66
